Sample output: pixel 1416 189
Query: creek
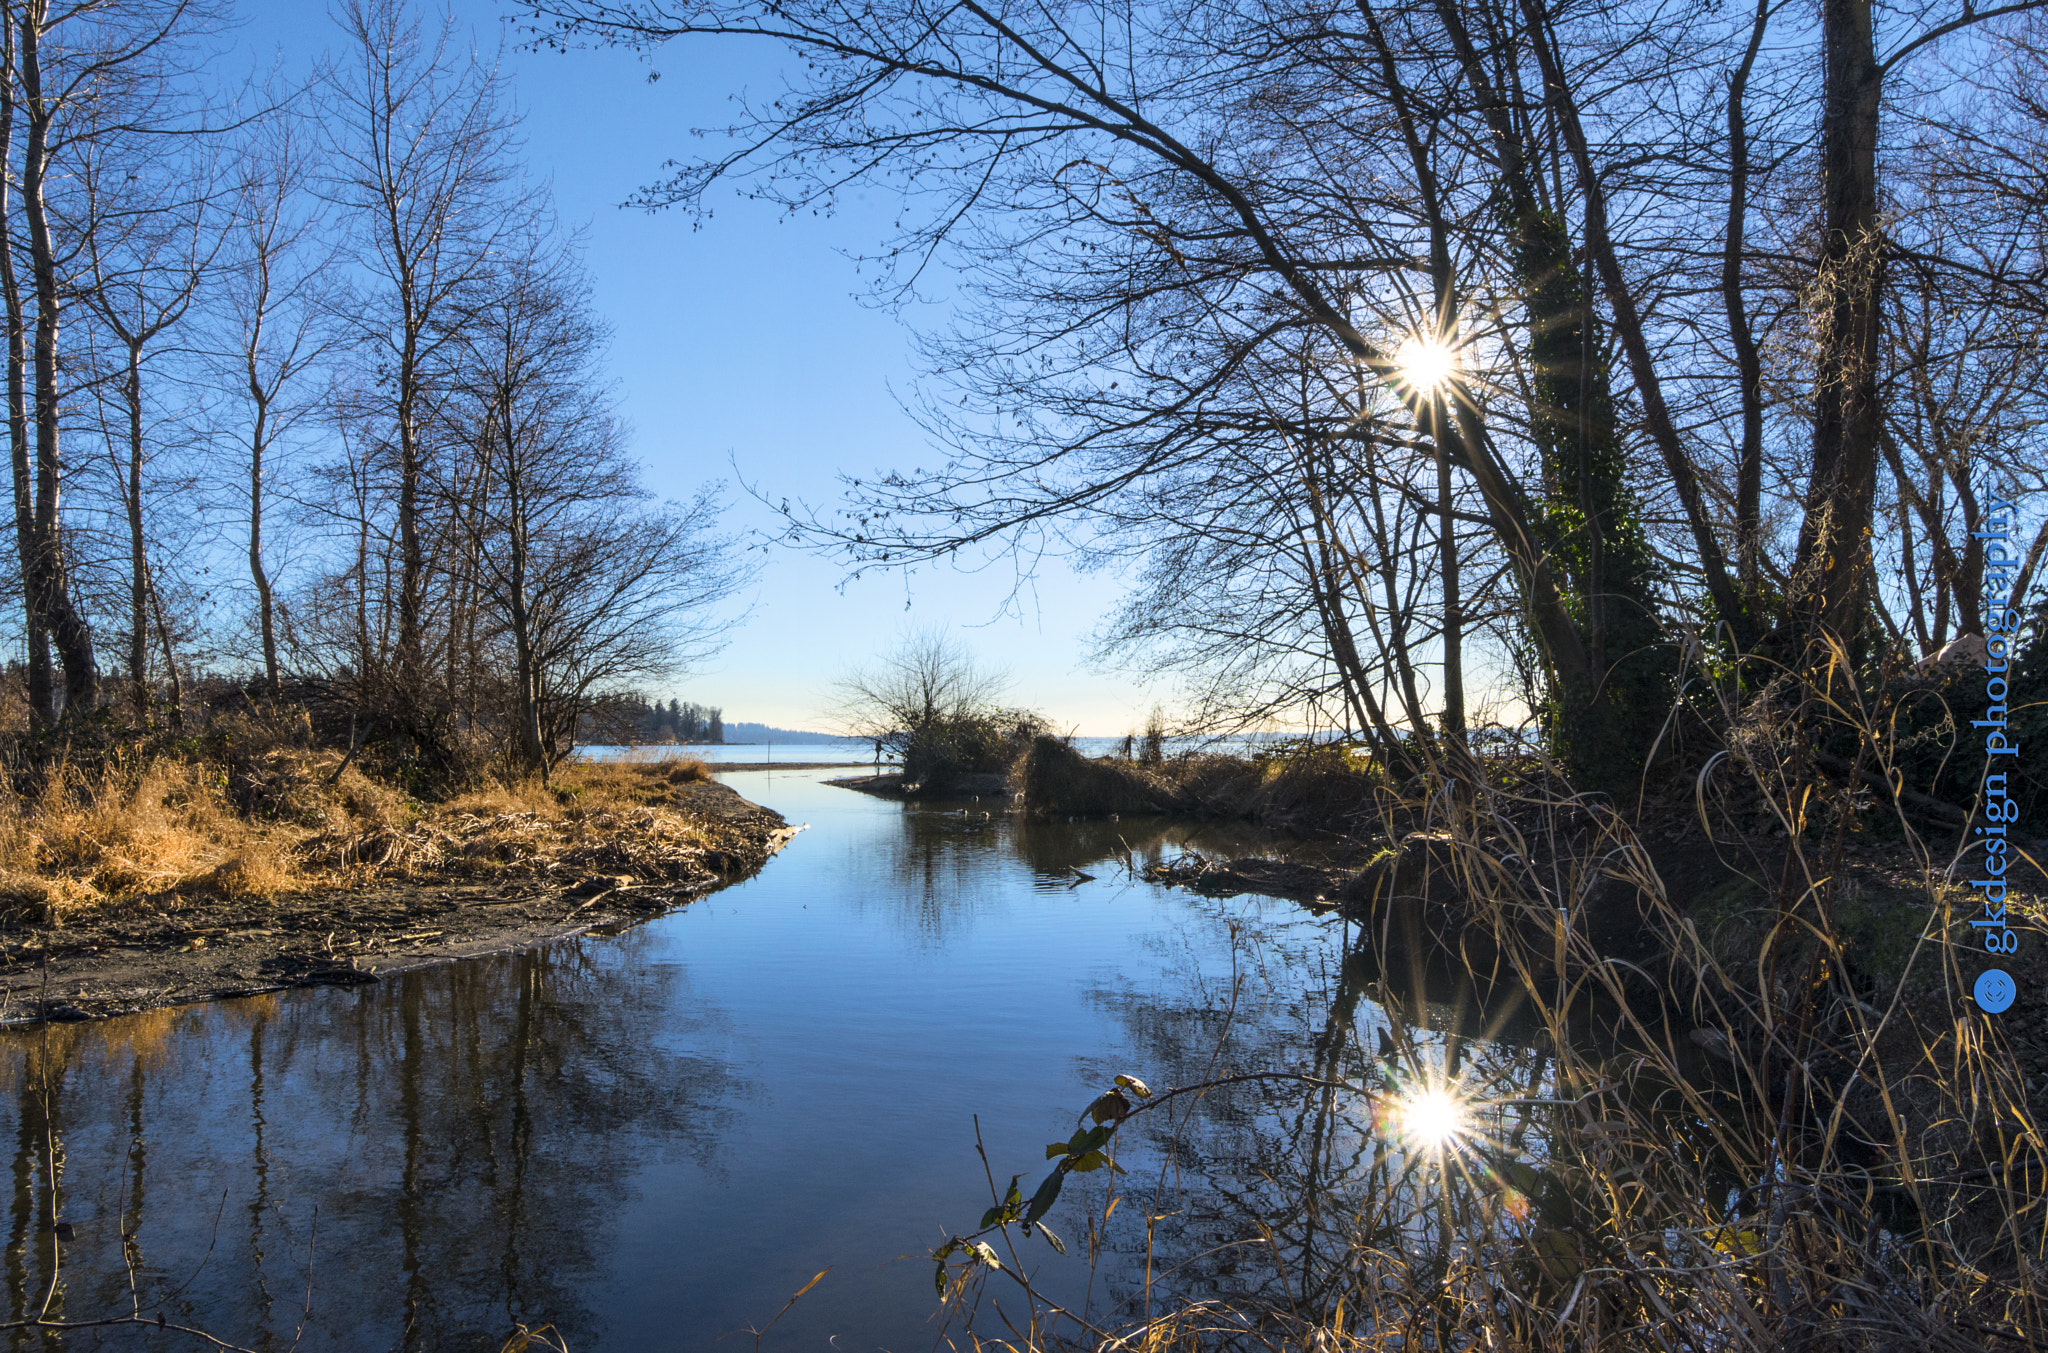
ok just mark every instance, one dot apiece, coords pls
pixel 650 1140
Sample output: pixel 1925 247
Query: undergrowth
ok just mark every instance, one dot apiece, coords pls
pixel 1710 1143
pixel 250 811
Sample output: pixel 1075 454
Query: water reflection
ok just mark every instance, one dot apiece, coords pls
pixel 437 1157
pixel 940 865
pixel 651 1140
pixel 1266 1194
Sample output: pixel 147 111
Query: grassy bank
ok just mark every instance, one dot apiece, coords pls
pixel 1765 1112
pixel 170 831
pixel 152 871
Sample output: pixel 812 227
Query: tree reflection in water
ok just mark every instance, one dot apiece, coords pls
pixel 1267 1193
pixel 938 868
pixel 525 1138
pixel 448 1147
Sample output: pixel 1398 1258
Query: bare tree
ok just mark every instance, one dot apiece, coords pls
pixel 151 247
pixel 281 315
pixel 590 588
pixel 935 707
pixel 420 161
pixel 1164 200
pixel 79 77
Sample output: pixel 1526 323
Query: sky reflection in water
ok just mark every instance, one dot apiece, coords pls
pixel 651 1140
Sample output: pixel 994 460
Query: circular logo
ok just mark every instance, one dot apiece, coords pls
pixel 1995 990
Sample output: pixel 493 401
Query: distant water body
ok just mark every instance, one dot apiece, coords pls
pixel 847 752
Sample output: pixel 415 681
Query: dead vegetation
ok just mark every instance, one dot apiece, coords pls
pixel 1057 780
pixel 1777 1119
pixel 251 812
pixel 1313 788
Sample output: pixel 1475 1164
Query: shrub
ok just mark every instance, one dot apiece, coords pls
pixel 984 742
pixel 1059 780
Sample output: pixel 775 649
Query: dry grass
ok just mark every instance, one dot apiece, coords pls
pixel 1320 788
pixel 1745 1151
pixel 165 829
pixel 270 821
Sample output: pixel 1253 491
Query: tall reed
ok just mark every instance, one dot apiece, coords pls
pixel 1743 1139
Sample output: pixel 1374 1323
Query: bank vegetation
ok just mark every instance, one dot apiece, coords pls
pixel 309 412
pixel 328 546
pixel 1576 407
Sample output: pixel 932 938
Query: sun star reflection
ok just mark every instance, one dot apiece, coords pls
pixel 1434 1116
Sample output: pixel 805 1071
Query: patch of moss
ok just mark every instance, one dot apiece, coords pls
pixel 1880 926
pixel 1730 919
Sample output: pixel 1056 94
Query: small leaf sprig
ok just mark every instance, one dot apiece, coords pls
pixel 1088 1150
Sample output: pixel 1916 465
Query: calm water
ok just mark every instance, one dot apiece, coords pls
pixel 651 1140
pixel 854 753
pixel 835 753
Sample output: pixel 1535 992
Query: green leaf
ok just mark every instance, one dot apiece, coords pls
pixel 1054 1150
pixel 939 1280
pixel 1052 1239
pixel 1092 1161
pixel 1095 1137
pixel 1048 1192
pixel 1013 1197
pixel 1135 1086
pixel 990 1218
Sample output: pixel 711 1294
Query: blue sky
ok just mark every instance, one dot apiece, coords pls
pixel 745 342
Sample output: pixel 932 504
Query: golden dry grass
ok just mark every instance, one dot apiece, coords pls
pixel 1747 1148
pixel 286 820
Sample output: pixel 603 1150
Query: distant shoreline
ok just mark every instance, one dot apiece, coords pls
pixel 686 746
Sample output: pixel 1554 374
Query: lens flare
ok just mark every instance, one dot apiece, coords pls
pixel 1427 364
pixel 1434 1116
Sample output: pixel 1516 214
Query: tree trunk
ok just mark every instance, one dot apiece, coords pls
pixel 138 557
pixel 266 618
pixel 533 749
pixel 49 578
pixel 1749 462
pixel 174 683
pixel 1729 606
pixel 412 557
pixel 42 699
pixel 1828 578
pixel 1454 620
pixel 1602 720
pixel 1327 562
pixel 369 657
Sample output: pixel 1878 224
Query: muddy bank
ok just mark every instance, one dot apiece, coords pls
pixel 140 956
pixel 894 785
pixel 1882 903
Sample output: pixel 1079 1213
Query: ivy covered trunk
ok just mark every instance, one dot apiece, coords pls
pixel 1601 726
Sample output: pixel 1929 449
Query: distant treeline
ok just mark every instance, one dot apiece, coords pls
pixel 761 732
pixel 678 723
pixel 634 719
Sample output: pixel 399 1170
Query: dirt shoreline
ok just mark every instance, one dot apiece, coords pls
pixel 138 959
